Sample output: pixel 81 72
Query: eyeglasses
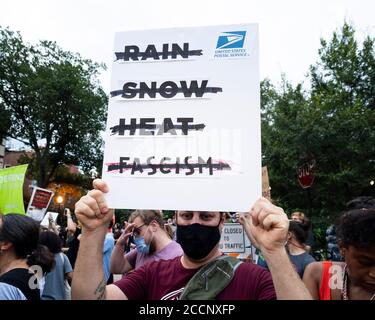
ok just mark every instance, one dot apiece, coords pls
pixel 137 231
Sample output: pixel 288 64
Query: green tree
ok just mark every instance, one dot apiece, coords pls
pixel 53 96
pixel 334 120
pixel 343 99
pixel 284 139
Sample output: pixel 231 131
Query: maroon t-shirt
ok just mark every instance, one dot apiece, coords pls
pixel 166 279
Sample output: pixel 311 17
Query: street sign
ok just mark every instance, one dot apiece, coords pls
pixel 232 238
pixel 305 172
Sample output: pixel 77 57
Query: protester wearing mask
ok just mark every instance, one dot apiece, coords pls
pixel 163 279
pixel 153 242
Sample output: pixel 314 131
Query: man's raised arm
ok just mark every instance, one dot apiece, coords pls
pixel 88 280
pixel 267 227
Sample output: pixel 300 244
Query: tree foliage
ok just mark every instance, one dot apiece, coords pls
pixel 51 96
pixel 333 120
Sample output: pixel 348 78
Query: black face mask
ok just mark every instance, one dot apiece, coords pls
pixel 197 240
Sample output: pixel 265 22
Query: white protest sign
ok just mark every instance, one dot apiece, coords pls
pixel 232 238
pixel 39 202
pixel 183 127
pixel 45 221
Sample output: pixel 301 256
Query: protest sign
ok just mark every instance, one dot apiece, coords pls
pixel 45 221
pixel 232 238
pixel 39 202
pixel 11 189
pixel 183 126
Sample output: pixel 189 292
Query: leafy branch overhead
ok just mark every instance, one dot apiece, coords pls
pixel 51 95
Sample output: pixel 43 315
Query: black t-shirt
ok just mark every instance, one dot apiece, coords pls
pixel 73 248
pixel 19 278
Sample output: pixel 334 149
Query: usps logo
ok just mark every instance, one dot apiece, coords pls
pixel 231 44
pixel 231 40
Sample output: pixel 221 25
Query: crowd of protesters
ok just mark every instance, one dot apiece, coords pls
pixel 154 258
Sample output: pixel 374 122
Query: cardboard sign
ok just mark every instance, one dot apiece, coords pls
pixel 39 202
pixel 183 128
pixel 266 189
pixel 232 238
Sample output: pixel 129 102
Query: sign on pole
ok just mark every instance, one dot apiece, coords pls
pixel 11 189
pixel 305 172
pixel 39 202
pixel 232 238
pixel 183 128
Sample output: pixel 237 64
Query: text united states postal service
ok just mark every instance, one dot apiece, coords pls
pixel 183 128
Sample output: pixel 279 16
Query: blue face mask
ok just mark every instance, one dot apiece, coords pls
pixel 142 247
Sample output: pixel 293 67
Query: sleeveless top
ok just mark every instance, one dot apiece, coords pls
pixel 325 290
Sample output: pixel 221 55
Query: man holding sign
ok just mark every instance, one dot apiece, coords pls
pixel 198 234
pixel 183 133
pixel 183 110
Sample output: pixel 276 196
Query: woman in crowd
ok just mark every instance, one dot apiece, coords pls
pixel 296 248
pixel 56 287
pixel 153 242
pixel 19 253
pixel 354 278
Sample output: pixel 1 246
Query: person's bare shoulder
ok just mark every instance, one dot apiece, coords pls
pixel 314 270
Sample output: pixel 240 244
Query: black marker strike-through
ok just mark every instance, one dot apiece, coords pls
pixel 147 126
pixel 136 166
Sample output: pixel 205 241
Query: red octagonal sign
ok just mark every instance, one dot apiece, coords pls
pixel 306 173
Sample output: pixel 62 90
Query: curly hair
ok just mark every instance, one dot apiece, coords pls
pixel 357 228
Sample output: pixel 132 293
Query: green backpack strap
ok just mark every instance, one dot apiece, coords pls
pixel 211 279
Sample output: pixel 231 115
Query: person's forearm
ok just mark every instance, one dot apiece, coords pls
pixel 89 281
pixel 117 261
pixel 288 284
pixel 70 224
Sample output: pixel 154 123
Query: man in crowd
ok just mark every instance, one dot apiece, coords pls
pixel 202 272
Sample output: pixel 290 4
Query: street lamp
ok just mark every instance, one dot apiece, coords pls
pixel 60 200
pixel 372 182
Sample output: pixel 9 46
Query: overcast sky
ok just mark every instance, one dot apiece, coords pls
pixel 290 30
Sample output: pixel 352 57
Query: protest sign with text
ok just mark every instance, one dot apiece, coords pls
pixel 11 189
pixel 183 127
pixel 39 202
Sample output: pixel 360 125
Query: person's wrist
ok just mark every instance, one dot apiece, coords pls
pixel 273 253
pixel 89 232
